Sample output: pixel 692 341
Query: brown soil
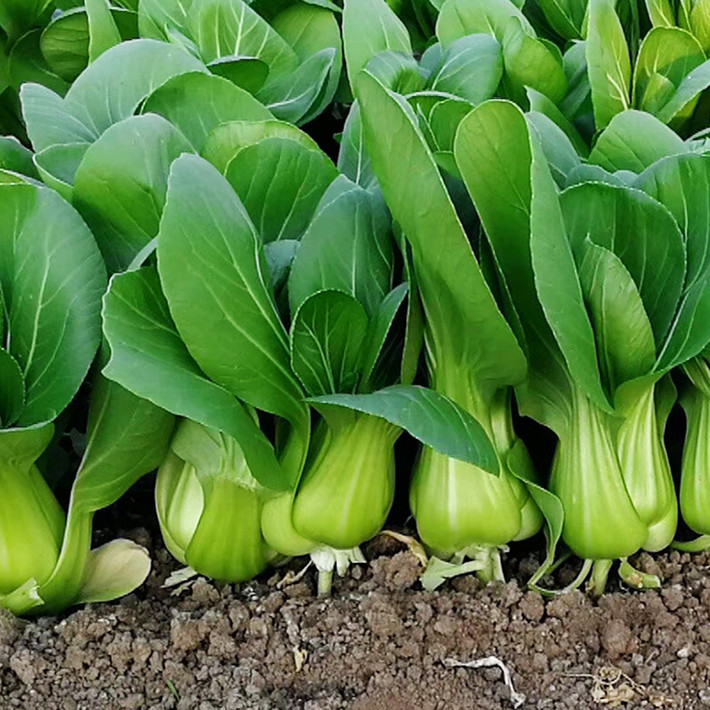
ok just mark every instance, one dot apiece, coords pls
pixel 379 643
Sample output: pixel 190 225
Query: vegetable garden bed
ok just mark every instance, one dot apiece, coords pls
pixel 381 643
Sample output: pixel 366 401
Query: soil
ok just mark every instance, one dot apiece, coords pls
pixel 380 643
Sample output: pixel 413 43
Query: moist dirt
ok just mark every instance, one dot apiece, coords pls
pixel 380 643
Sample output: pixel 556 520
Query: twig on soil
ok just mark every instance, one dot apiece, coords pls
pixel 292 577
pixel 613 688
pixel 517 699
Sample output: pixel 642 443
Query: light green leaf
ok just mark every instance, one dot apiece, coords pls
pixel 149 359
pixel 309 29
pixel 280 182
pixel 700 22
pixel 197 103
pixel 157 18
pixel 540 103
pixel 431 418
pixel 120 185
pixel 608 62
pixel 661 13
pixel 112 571
pixel 327 334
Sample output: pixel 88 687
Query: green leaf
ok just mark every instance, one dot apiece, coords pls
pixel 197 103
pixel 565 17
pixel 493 152
pixel 634 140
pixel 530 63
pixel 65 40
pixel 52 278
pixel 226 28
pixel 459 18
pixel 439 118
pixel 219 301
pixel 682 184
pixel 291 97
pixel 149 359
pixel 110 90
pixel 280 182
pixel 625 342
pixel 431 418
pixel 700 22
pixel 17 16
pixel 455 296
pixel 347 247
pixel 103 32
pixel 661 13
pixel 557 282
pixel 26 64
pixel 540 103
pixel 326 342
pixel 16 158
pixel 378 332
pixel 519 464
pixel 471 67
pixel 666 52
pixel 692 85
pixel 353 160
pixel 156 18
pixel 225 141
pixel 559 151
pixel 608 62
pixel 12 392
pixel 120 185
pixel 641 232
pixel 369 28
pixel 247 73
pixel 309 29
pixel 397 71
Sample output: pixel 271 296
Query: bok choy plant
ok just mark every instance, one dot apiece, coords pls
pixel 473 356
pixel 51 282
pixel 203 333
pixel 602 327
